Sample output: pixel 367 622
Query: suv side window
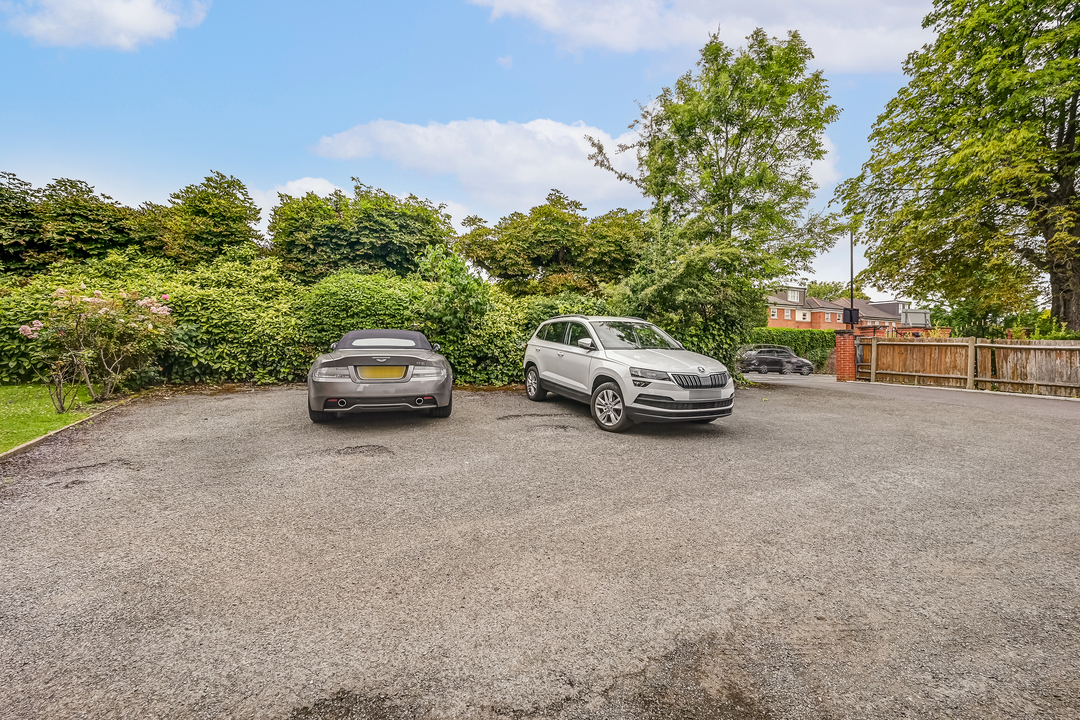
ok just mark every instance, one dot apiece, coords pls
pixel 556 332
pixel 577 331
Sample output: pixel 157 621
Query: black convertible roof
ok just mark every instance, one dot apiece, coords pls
pixel 417 337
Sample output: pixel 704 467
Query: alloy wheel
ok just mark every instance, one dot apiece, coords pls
pixel 609 407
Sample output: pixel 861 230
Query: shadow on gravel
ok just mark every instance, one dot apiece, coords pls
pixel 702 680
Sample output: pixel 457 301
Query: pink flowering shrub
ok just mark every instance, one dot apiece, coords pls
pixel 97 340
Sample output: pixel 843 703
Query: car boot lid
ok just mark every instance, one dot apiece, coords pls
pixel 379 356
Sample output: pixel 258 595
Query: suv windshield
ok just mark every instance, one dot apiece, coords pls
pixel 626 335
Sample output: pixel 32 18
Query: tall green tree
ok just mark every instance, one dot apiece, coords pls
pixel 372 230
pixel 66 219
pixel 971 187
pixel 22 241
pixel 704 292
pixel 79 223
pixel 201 221
pixel 555 247
pixel 733 145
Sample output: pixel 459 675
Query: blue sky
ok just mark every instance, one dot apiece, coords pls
pixel 479 104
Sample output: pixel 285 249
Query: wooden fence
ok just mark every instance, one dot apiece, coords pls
pixel 1039 367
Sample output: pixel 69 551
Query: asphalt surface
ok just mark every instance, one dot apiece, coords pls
pixel 829 551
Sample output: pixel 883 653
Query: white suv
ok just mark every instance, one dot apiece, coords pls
pixel 627 370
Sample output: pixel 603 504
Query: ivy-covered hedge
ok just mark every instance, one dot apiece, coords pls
pixel 814 345
pixel 240 319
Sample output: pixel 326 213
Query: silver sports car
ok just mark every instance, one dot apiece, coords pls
pixel 377 370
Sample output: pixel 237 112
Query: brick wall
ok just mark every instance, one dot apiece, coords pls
pixel 845 356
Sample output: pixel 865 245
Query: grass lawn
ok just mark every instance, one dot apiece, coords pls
pixel 27 413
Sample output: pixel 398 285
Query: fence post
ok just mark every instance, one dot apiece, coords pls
pixel 971 363
pixel 873 358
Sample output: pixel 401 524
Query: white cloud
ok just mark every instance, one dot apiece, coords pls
pixel 846 35
pixel 506 61
pixel 503 166
pixel 121 24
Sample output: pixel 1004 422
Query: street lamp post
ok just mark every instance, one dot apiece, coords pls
pixel 851 286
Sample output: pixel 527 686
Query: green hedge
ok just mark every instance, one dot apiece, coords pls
pixel 814 345
pixel 240 319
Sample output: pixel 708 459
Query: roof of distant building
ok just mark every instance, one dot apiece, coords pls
pixel 867 311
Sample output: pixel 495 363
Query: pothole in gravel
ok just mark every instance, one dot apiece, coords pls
pixel 706 679
pixel 350 706
pixel 85 473
pixel 365 450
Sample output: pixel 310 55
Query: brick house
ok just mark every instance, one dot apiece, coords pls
pixel 791 308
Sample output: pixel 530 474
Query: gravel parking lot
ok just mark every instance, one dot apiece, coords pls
pixel 826 552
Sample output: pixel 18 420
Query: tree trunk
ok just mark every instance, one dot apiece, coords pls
pixel 1065 290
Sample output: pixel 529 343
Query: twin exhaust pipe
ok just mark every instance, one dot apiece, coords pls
pixel 345 403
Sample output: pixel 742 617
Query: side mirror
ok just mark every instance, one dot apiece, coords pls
pixel 586 343
pixel 333 347
pixel 436 347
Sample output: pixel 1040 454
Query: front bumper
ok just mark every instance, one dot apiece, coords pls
pixel 662 405
pixel 346 396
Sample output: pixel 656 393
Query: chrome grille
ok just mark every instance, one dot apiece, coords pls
pixel 701 381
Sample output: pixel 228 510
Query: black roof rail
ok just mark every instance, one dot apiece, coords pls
pixel 554 317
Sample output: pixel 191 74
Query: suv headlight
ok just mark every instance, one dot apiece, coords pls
pixel 649 374
pixel 332 373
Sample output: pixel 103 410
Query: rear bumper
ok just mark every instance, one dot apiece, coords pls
pixel 349 397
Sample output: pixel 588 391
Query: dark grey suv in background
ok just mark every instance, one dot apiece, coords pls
pixel 773 358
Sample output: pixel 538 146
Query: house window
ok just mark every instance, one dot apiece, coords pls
pixel 828 317
pixel 787 313
pixel 793 295
pixel 804 316
pixel 772 313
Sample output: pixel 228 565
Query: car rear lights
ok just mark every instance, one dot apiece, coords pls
pixel 334 373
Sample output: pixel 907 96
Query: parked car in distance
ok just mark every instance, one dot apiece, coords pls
pixel 772 358
pixel 627 370
pixel 380 370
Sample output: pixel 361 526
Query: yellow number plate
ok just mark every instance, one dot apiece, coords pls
pixel 381 372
